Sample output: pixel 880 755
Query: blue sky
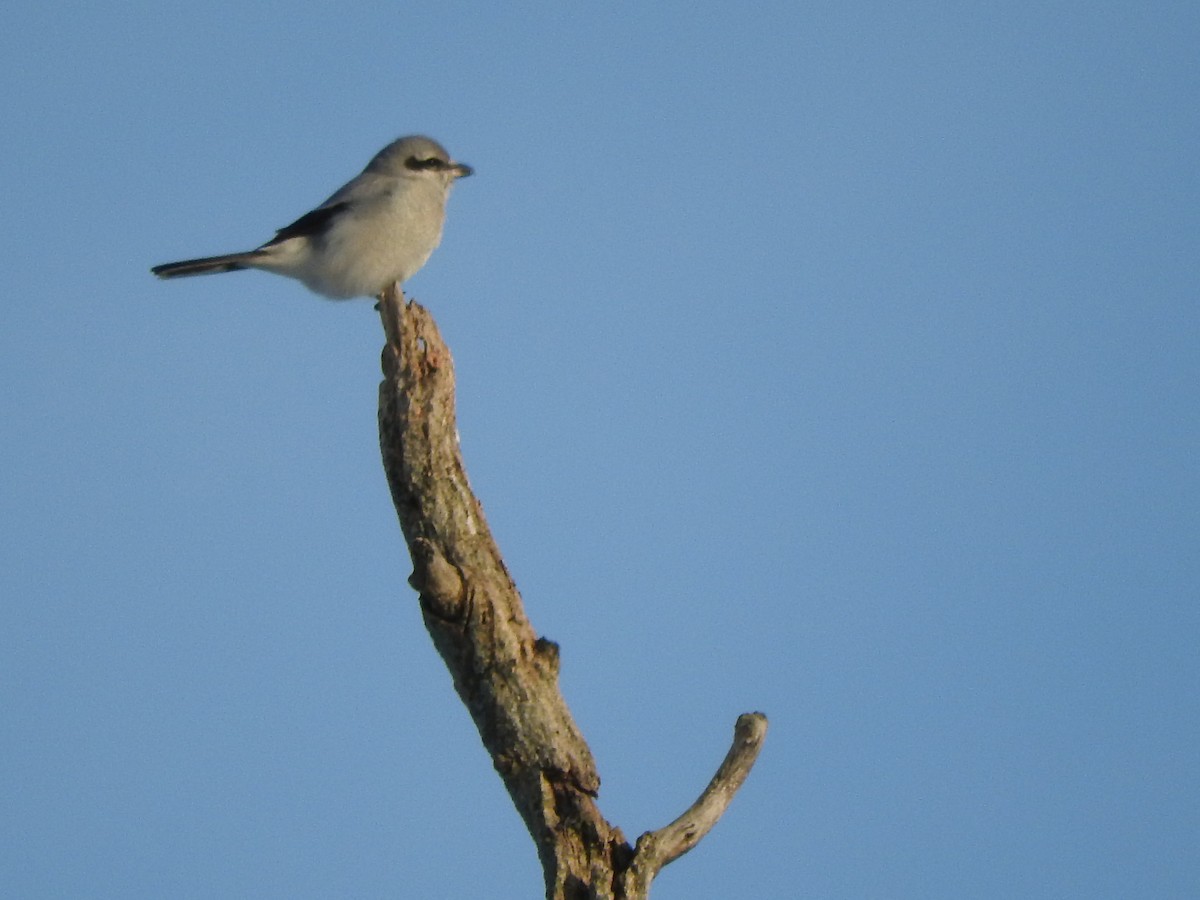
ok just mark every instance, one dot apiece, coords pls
pixel 834 360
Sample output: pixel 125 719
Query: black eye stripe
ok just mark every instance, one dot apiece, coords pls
pixel 418 164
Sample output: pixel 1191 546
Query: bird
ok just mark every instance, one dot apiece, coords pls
pixel 376 230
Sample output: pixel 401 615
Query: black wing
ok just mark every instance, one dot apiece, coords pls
pixel 309 224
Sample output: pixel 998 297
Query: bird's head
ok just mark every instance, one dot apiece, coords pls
pixel 418 156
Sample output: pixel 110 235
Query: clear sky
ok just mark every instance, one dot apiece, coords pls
pixel 837 360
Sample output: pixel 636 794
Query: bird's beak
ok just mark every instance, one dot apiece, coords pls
pixel 461 170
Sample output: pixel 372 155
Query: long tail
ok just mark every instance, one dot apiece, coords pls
pixel 231 262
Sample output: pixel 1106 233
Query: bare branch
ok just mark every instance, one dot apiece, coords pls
pixel 505 674
pixel 656 849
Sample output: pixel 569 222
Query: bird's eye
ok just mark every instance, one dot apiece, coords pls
pixel 418 164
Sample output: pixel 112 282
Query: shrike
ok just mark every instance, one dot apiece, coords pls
pixel 378 229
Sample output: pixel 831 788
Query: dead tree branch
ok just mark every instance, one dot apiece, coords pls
pixel 504 673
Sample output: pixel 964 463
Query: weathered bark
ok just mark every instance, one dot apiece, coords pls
pixel 504 673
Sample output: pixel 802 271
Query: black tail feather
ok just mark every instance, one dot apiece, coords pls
pixel 205 266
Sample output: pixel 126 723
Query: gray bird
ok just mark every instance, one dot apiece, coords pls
pixel 378 229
